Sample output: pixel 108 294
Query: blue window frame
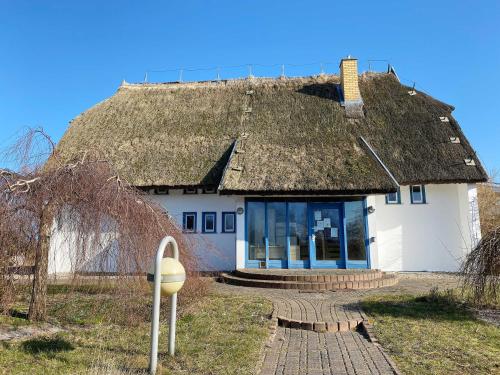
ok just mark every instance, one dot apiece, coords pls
pixel 209 222
pixel 228 222
pixel 393 198
pixel 189 222
pixel 263 222
pixel 417 194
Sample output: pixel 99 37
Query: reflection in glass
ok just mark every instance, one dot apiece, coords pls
pixel 276 230
pixel 355 228
pixel 299 243
pixel 327 233
pixel 256 231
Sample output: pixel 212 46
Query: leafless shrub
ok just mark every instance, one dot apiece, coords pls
pixel 481 270
pixel 95 218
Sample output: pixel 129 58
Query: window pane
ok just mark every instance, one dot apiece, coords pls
pixel 209 223
pixel 256 231
pixel 327 238
pixel 355 228
pixel 299 243
pixel 190 223
pixel 392 197
pixel 416 192
pixel 229 222
pixel 276 230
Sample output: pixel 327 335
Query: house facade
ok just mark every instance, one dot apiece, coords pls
pixel 347 171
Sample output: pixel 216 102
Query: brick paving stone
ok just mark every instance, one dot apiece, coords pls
pixel 301 351
pixel 310 353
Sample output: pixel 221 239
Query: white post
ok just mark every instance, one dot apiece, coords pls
pixel 171 329
pixel 155 321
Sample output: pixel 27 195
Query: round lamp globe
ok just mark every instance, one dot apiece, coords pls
pixel 172 276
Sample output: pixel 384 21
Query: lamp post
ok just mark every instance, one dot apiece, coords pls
pixel 168 276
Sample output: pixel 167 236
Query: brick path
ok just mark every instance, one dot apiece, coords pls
pixel 305 352
pixel 295 352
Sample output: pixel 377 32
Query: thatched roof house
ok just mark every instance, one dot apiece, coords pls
pixel 246 135
pixel 297 167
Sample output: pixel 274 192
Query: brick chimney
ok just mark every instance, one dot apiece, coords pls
pixel 352 100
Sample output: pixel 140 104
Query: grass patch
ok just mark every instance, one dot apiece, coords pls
pixel 46 345
pixel 434 334
pixel 219 334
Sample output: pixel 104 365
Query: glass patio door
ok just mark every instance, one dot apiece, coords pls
pixel 326 235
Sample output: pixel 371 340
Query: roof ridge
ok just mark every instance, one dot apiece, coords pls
pixel 231 81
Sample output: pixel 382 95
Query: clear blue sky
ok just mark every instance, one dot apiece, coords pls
pixel 58 58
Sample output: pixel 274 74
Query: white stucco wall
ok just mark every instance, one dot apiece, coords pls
pixel 408 237
pixel 216 251
pixel 64 258
pixel 425 237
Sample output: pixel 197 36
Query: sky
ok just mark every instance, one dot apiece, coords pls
pixel 59 58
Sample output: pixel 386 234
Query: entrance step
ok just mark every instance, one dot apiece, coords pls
pixel 337 326
pixel 309 312
pixel 310 280
pixel 318 275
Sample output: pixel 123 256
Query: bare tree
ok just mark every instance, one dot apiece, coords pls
pixel 481 269
pixel 104 221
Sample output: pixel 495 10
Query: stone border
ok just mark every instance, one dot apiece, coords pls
pixel 273 328
pixel 367 330
pixel 338 326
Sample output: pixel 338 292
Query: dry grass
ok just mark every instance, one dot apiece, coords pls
pixel 434 334
pixel 216 334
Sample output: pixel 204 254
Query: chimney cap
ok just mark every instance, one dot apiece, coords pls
pixel 348 58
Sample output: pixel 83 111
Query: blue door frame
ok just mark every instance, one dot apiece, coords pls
pixel 315 263
pixel 344 262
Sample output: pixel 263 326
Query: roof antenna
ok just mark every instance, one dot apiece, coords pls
pixel 146 77
pixel 250 75
pixel 282 71
pixel 412 91
pixel 180 75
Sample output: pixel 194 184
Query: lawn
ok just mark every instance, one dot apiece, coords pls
pixel 219 334
pixel 434 334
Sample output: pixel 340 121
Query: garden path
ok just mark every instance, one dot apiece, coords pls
pixel 317 331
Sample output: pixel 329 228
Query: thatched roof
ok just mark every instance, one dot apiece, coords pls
pixel 296 136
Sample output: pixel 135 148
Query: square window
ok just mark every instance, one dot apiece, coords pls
pixel 209 191
pixel 417 193
pixel 393 198
pixel 191 191
pixel 209 222
pixel 189 222
pixel 161 191
pixel 228 222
